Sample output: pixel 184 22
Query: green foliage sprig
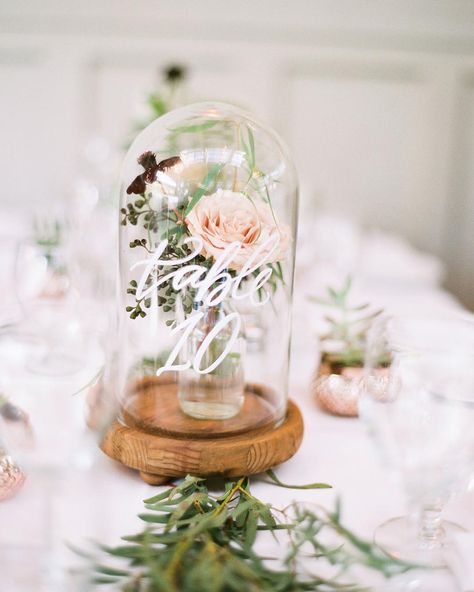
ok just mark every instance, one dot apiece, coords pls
pixel 194 540
pixel 163 100
pixel 167 223
pixel 171 223
pixel 47 232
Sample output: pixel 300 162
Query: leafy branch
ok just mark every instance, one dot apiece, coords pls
pixel 163 100
pixel 196 540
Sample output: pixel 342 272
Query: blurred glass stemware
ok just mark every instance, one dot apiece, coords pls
pixel 48 303
pixel 417 398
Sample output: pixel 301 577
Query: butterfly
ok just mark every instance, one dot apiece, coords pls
pixel 148 161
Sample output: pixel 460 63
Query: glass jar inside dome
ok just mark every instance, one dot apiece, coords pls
pixel 208 222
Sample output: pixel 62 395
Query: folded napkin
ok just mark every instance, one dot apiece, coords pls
pixel 460 559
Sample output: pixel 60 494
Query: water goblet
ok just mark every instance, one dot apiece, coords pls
pixel 417 398
pixel 50 307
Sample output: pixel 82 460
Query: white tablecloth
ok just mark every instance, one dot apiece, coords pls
pixel 100 500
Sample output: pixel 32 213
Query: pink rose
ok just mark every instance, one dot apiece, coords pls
pixel 227 216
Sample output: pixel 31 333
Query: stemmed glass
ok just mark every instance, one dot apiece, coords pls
pixel 417 398
pixel 48 302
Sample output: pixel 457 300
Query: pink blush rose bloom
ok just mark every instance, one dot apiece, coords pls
pixel 226 217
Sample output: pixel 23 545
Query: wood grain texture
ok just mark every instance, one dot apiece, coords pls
pixel 157 456
pixel 154 479
pixel 152 406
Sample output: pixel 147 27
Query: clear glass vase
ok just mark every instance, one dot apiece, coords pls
pixel 207 237
pixel 213 387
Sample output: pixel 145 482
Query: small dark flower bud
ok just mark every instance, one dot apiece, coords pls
pixel 175 73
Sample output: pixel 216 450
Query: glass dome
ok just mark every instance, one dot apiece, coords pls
pixel 207 240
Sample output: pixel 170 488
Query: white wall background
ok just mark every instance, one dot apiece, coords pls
pixel 375 98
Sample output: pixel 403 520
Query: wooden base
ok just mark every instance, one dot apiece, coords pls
pixel 160 456
pixel 152 406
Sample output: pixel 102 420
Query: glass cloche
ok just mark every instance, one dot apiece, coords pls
pixel 207 241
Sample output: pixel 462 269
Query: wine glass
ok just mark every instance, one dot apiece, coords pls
pixel 50 308
pixel 46 451
pixel 417 398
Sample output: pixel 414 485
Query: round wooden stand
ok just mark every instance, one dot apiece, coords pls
pixel 174 445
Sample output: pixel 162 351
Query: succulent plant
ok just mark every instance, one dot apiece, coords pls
pixel 343 343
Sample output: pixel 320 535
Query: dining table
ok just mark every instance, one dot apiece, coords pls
pixel 65 507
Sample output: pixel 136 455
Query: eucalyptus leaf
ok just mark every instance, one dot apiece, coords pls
pixel 155 518
pixel 104 580
pixel 249 148
pixel 157 104
pixel 110 571
pixel 195 127
pixel 277 481
pixel 128 551
pixel 214 170
pixel 241 510
pixel 250 529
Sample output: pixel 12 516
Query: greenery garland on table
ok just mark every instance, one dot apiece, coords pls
pixel 196 541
